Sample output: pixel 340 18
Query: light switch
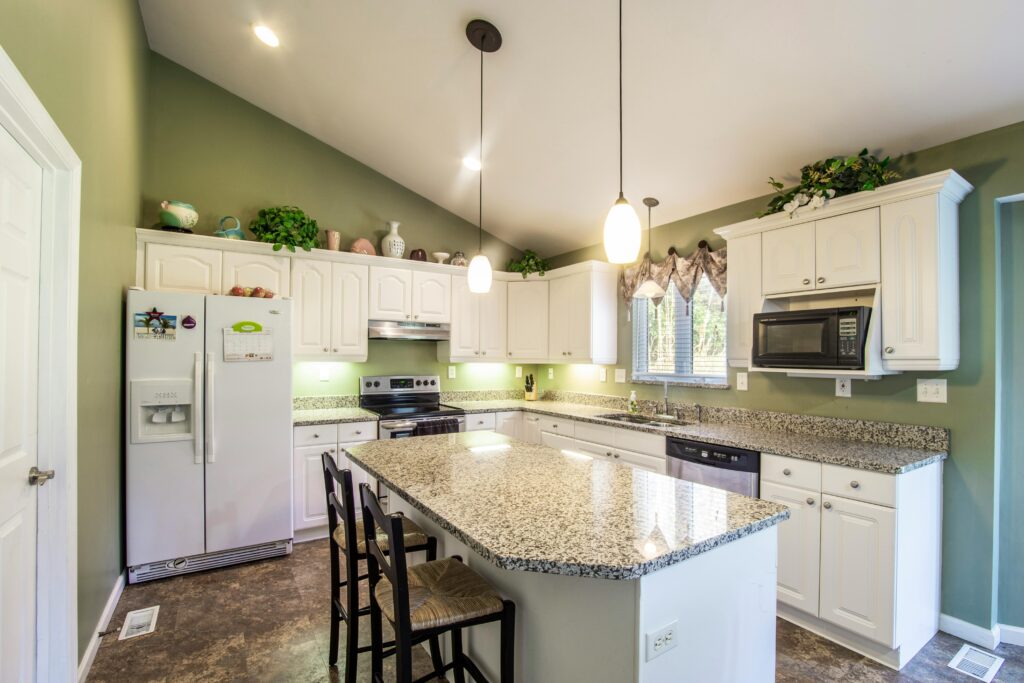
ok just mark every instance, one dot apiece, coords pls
pixel 551 373
pixel 602 374
pixel 451 372
pixel 620 375
pixel 931 390
pixel 741 381
pixel 519 371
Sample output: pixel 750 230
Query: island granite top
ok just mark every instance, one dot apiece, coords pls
pixel 533 508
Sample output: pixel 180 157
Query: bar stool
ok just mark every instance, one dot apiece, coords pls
pixel 343 525
pixel 425 600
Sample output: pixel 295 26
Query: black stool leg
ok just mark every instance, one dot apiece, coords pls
pixel 458 669
pixel 352 622
pixel 335 601
pixel 508 641
pixel 376 641
pixel 435 644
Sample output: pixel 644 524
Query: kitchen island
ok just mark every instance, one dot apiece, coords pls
pixel 600 558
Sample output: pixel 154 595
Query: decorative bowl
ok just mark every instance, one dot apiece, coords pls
pixel 418 255
pixel 440 256
pixel 178 214
pixel 363 246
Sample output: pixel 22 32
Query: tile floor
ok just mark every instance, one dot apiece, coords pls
pixel 267 621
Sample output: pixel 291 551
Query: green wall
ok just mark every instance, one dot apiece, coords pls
pixel 87 62
pixel 225 156
pixel 994 163
pixel 1010 341
pixel 403 358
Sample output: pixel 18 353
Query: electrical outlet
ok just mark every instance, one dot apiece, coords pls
pixel 844 387
pixel 602 374
pixel 931 390
pixel 551 373
pixel 741 381
pixel 620 375
pixel 519 371
pixel 661 641
pixel 451 372
pixel 325 373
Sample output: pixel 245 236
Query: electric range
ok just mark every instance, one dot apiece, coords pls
pixel 409 405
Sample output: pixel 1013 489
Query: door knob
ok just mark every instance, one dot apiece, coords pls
pixel 807 280
pixel 38 477
pixel 889 349
pixel 827 506
pixel 820 280
pixel 810 501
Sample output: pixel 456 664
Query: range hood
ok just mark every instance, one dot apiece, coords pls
pixel 389 329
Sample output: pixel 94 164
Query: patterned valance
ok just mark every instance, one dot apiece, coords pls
pixel 684 271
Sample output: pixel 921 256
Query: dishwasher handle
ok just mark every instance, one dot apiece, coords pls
pixel 713 455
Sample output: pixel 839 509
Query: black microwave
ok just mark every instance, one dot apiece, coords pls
pixel 827 338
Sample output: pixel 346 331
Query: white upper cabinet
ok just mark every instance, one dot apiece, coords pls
pixel 744 298
pixel 349 311
pixel 920 285
pixel 170 267
pixel 528 320
pixel 479 324
pixel 431 297
pixel 788 259
pixel 256 270
pixel 390 294
pixel 494 322
pixel 846 250
pixel 582 317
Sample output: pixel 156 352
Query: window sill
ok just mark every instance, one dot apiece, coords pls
pixel 689 382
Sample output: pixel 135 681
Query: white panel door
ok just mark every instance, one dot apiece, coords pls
pixel 858 567
pixel 846 250
pixel 799 545
pixel 310 497
pixel 559 303
pixel 349 311
pixel 578 312
pixel 528 320
pixel 21 182
pixel 390 294
pixel 183 269
pixel 255 270
pixel 744 299
pixel 493 317
pixel 787 259
pixel 508 423
pixel 910 286
pixel 431 297
pixel 465 331
pixel 311 294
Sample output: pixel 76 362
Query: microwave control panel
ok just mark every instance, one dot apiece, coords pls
pixel 848 335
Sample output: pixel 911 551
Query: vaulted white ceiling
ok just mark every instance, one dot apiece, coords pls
pixel 718 95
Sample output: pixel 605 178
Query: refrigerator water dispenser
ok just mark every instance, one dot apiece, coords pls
pixel 162 410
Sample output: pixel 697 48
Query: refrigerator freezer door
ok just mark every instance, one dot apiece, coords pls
pixel 248 422
pixel 164 515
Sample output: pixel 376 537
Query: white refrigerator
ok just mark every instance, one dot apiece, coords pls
pixel 209 431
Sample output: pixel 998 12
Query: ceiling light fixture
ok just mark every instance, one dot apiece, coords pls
pixel 471 162
pixel 484 36
pixel 622 226
pixel 649 289
pixel 265 34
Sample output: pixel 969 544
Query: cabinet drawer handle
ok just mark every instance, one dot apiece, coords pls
pixel 787 472
pixel 358 432
pixel 889 349
pixel 827 506
pixel 616 455
pixel 810 501
pixel 807 281
pixel 821 280
pixel 855 484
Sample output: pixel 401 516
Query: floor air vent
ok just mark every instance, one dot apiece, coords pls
pixel 139 622
pixel 976 663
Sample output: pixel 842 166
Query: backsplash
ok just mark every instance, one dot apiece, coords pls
pixel 351 400
pixel 324 402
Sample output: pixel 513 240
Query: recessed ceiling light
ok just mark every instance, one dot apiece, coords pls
pixel 266 35
pixel 471 162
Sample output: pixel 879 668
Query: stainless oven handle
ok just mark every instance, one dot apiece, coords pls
pixel 397 424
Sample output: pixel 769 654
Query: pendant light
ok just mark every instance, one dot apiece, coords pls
pixel 485 37
pixel 622 226
pixel 649 289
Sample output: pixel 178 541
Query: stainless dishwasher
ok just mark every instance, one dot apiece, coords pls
pixel 724 467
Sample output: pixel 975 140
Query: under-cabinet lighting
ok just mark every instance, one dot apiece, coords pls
pixel 266 35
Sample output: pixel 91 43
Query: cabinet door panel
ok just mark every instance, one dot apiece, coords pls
pixel 390 294
pixel 349 311
pixel 493 319
pixel 578 314
pixel 465 331
pixel 431 297
pixel 528 320
pixel 508 423
pixel 639 460
pixel 183 269
pixel 787 263
pixel 256 270
pixel 559 302
pixel 847 251
pixel 858 567
pixel 310 504
pixel 311 293
pixel 799 545
pixel 910 286
pixel 557 441
pixel 530 428
pixel 480 421
pixel 744 299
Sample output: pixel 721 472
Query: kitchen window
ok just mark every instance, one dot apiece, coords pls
pixel 676 341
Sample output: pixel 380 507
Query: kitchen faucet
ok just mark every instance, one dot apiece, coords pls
pixel 666 411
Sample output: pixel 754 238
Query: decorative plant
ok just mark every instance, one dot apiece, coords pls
pixel 530 263
pixel 832 177
pixel 285 226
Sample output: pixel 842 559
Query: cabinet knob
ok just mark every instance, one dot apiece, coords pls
pixel 483 353
pixel 854 484
pixel 608 454
pixel 827 506
pixel 889 349
pixel 316 436
pixel 787 472
pixel 554 426
pixel 821 280
pixel 358 432
pixel 477 352
pixel 810 501
pixel 416 317
pixel 407 316
pixel 568 353
pixel 616 455
pixel 325 349
pixel 807 280
pixel 335 350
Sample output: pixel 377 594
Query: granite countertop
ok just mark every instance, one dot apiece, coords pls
pixel 324 416
pixel 863 455
pixel 533 508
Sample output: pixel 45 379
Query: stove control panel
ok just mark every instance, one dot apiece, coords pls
pixel 400 384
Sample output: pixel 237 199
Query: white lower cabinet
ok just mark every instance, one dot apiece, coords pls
pixel 799 545
pixel 476 422
pixel 310 497
pixel 641 461
pixel 558 441
pixel 509 423
pixel 529 429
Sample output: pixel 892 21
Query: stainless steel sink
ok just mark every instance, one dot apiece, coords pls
pixel 645 420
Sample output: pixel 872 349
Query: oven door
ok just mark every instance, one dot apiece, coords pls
pixel 796 339
pixel 403 429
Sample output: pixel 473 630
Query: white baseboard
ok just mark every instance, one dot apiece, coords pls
pixel 972 633
pixel 101 625
pixel 314 534
pixel 1013 635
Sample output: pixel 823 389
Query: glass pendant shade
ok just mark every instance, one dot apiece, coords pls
pixel 622 233
pixel 479 274
pixel 649 290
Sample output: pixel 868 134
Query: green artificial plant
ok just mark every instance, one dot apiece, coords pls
pixel 529 263
pixel 285 226
pixel 832 177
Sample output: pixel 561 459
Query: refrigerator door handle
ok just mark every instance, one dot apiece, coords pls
pixel 210 456
pixel 197 408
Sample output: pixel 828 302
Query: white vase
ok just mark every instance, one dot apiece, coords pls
pixel 393 244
